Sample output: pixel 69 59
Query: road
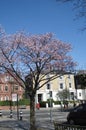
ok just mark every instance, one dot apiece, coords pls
pixel 51 115
pixel 44 116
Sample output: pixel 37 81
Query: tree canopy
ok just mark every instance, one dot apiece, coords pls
pixel 63 95
pixel 26 54
pixel 37 56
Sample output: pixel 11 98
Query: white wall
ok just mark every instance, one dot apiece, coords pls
pixel 81 94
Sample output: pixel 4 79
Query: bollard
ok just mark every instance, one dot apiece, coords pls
pixel 11 114
pixel 20 115
pixel 0 113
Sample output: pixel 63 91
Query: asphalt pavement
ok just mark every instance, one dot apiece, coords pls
pixel 12 124
pixel 7 123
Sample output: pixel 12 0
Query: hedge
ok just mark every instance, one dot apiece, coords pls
pixel 43 104
pixel 24 102
pixel 10 103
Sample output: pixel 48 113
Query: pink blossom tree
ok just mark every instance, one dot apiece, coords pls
pixel 34 57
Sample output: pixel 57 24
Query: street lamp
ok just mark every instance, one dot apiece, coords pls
pixel 66 86
pixel 15 98
pixel 50 96
pixel 67 96
pixel 17 108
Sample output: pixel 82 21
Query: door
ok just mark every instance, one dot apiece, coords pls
pixel 39 98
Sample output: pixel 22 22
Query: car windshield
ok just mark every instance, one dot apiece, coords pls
pixel 80 107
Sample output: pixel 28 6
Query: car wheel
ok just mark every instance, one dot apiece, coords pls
pixel 71 122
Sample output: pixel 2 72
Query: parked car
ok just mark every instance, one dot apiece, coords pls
pixel 77 115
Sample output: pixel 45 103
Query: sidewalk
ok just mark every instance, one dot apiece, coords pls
pixel 7 123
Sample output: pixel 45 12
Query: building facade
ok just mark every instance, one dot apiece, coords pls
pixel 51 89
pixel 80 83
pixel 9 89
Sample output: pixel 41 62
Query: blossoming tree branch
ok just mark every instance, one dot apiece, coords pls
pixel 30 58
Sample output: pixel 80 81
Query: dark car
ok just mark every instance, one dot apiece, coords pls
pixel 77 115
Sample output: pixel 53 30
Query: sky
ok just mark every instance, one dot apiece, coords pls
pixel 43 16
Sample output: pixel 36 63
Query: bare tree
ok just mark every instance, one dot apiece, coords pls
pixel 63 95
pixel 80 7
pixel 36 56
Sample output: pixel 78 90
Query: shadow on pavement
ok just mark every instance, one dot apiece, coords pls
pixel 14 125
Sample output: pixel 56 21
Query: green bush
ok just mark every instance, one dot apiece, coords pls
pixel 65 102
pixel 57 102
pixel 10 103
pixel 43 104
pixel 50 100
pixel 5 103
pixel 24 102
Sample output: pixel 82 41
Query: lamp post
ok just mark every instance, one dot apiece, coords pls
pixel 66 90
pixel 49 98
pixel 9 80
pixel 17 108
pixel 15 98
pixel 13 94
pixel 50 95
pixel 66 87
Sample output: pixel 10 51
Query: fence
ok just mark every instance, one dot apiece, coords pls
pixel 62 126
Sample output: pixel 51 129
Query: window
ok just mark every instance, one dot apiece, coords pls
pixel 80 94
pixel 7 78
pixel 50 93
pixel 6 88
pixel 60 77
pixel 72 95
pixel 48 86
pixel 70 85
pixel 61 85
pixel 6 98
pixel 16 87
pixel 69 76
pixel 79 108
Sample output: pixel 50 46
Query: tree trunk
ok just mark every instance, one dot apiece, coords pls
pixel 32 113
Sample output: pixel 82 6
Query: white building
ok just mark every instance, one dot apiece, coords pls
pixel 51 89
pixel 81 94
